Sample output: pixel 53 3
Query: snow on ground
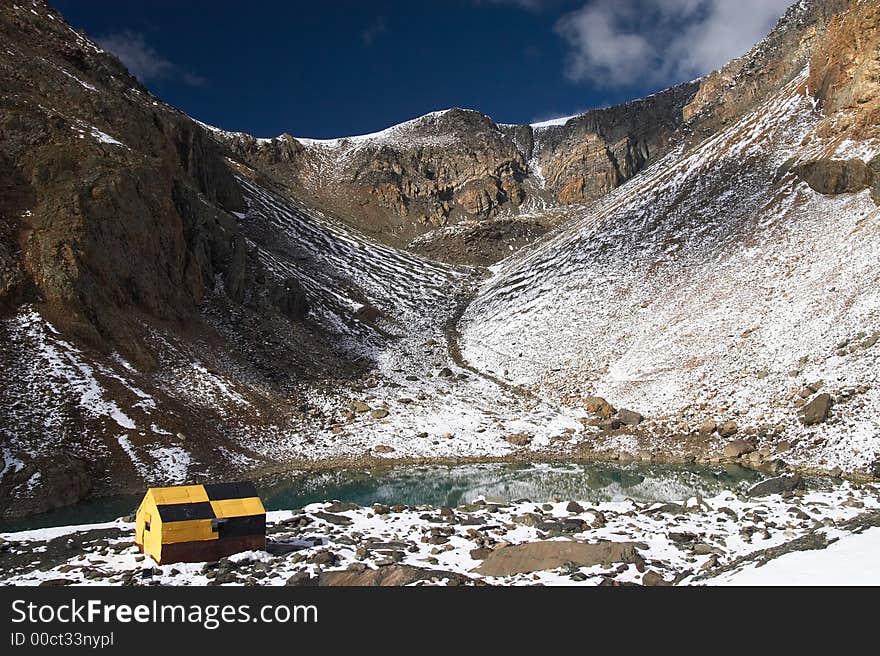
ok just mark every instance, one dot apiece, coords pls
pixel 105 138
pixel 404 134
pixel 711 286
pixel 852 560
pixel 683 542
pixel 435 408
pixel 559 120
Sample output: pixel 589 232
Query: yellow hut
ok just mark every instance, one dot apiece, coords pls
pixel 197 523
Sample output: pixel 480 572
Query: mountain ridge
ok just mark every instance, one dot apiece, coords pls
pixel 177 305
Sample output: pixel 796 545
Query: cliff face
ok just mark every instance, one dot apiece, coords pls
pixel 460 166
pixel 845 72
pixel 119 243
pixel 725 94
pixel 593 153
pixel 111 203
pixel 420 178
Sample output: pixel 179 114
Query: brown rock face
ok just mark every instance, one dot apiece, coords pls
pixel 392 575
pixel 459 165
pixel 538 556
pixel 829 176
pixel 845 71
pixel 112 206
pixel 727 429
pixel 738 86
pixel 817 410
pixel 598 406
pixel 737 448
pixel 598 151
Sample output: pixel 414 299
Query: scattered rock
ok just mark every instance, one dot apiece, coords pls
pixel 379 413
pixel 390 575
pixel 727 429
pixel 481 553
pixel 653 579
pixel 817 410
pixel 330 518
pixel 708 427
pixel 518 439
pixel 630 417
pixel 737 448
pixel 598 406
pixel 341 506
pixel 574 507
pixel 301 579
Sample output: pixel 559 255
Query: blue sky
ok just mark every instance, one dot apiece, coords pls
pixel 326 69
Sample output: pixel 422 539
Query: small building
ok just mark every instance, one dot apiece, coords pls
pixel 200 523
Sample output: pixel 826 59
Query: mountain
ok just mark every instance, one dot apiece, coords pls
pixel 178 302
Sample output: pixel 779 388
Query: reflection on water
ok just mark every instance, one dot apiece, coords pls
pixel 453 485
pixel 450 486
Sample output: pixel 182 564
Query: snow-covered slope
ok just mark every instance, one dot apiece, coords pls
pixel 716 285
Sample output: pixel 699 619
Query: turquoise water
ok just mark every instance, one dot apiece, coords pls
pixel 451 486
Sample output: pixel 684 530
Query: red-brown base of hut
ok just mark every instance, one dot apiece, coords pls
pixel 206 551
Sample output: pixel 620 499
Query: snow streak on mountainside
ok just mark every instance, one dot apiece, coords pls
pixel 716 285
pixel 390 309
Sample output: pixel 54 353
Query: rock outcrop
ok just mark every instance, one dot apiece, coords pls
pixel 460 166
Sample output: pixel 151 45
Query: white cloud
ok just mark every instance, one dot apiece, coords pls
pixel 142 60
pixel 139 58
pixel 373 31
pixel 621 43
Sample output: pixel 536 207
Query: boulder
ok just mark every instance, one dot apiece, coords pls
pixel 776 485
pixel 390 575
pixel 653 579
pixel 379 413
pixel 830 176
pixel 727 429
pixel 738 448
pixel 358 406
pixel 574 507
pixel 817 410
pixel 629 417
pixel 598 406
pixel 539 556
pixel 518 439
pixel 708 427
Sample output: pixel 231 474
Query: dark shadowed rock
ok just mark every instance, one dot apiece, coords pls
pixel 629 417
pixel 830 176
pixel 777 485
